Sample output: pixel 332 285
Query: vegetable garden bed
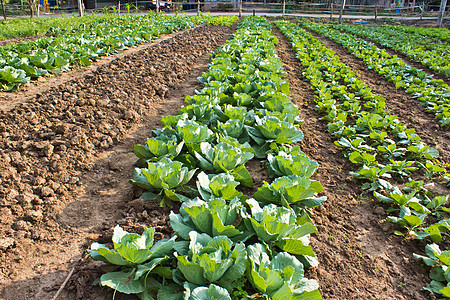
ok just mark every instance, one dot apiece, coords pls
pixel 67 160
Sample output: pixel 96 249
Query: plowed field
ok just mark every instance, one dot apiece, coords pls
pixel 66 160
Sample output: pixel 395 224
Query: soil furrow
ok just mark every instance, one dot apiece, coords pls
pixel 67 157
pixel 409 110
pixel 19 40
pixel 359 257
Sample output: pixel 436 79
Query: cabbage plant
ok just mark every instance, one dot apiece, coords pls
pixel 224 157
pixel 270 129
pixel 205 293
pixel 162 179
pixel 277 225
pixel 291 162
pixel 157 148
pixel 291 189
pixel 133 258
pixel 214 217
pixel 281 278
pixel 208 260
pixel 211 186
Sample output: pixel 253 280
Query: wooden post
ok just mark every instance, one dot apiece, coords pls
pixel 376 11
pixel 3 10
pixel 198 7
pixel 38 8
pixel 80 8
pixel 441 13
pixel 240 8
pixel 31 5
pixel 331 11
pixel 342 10
pixel 118 8
pixel 284 8
pixel 157 6
pixel 253 12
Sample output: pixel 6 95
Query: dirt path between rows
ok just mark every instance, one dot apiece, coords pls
pixel 66 157
pixel 359 257
pixel 408 109
pixel 19 40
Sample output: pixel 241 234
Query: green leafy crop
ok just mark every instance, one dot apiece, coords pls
pixel 289 190
pixel 279 226
pixel 214 217
pixel 212 260
pixel 162 177
pixel 224 157
pixel 282 277
pixel 291 162
pixel 134 257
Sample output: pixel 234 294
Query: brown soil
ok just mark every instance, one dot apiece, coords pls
pixel 359 257
pixel 19 40
pixel 66 160
pixel 425 23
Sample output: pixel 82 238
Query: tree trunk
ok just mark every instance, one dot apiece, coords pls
pixel 441 13
pixel 30 4
pixel 342 10
pixel 3 10
pixel 80 8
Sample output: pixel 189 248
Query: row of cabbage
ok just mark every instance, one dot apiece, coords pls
pixel 442 34
pixel 433 93
pixel 390 158
pixel 423 49
pixel 226 245
pixel 26 61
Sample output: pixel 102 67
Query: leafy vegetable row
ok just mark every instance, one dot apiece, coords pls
pixel 386 153
pixel 426 50
pixel 23 27
pixel 434 94
pixel 20 63
pixel 227 245
pixel 442 34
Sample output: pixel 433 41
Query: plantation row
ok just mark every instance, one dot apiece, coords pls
pixel 29 27
pixel 428 51
pixel 20 63
pixel 389 157
pixel 227 245
pixel 440 34
pixel 433 93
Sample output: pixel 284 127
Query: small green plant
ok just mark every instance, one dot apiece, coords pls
pixel 439 261
pixel 128 7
